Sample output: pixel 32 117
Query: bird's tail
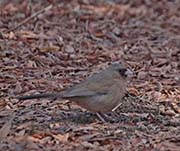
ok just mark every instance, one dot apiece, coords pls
pixel 39 96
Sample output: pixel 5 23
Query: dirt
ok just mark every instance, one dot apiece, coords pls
pixel 47 46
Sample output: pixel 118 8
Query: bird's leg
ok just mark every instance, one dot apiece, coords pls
pixel 105 118
pixel 114 109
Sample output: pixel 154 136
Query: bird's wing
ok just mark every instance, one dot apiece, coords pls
pixel 87 88
pixel 82 90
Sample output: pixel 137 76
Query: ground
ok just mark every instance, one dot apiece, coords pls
pixel 47 46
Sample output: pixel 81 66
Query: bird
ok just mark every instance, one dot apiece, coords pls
pixel 99 93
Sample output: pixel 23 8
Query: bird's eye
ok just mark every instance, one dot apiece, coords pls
pixel 122 72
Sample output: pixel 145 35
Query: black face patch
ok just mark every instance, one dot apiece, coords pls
pixel 122 72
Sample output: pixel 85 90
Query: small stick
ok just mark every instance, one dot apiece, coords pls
pixel 31 17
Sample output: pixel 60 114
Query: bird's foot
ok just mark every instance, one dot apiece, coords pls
pixel 106 118
pixel 100 116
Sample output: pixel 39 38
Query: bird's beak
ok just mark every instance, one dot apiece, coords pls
pixel 129 73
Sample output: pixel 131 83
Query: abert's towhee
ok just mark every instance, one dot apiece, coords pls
pixel 100 93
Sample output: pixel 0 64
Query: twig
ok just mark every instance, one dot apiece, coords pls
pixel 31 17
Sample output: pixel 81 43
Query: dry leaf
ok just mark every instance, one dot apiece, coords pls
pixel 165 111
pixel 61 138
pixel 5 130
pixel 3 103
pixel 69 49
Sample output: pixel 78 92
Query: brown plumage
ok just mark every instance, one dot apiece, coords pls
pixel 99 93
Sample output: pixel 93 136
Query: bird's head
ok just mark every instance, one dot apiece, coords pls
pixel 119 70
